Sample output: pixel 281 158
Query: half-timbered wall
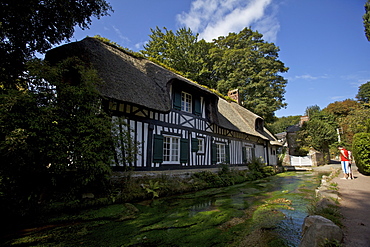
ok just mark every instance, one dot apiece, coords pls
pixel 147 125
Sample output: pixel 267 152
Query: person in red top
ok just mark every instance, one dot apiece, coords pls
pixel 344 160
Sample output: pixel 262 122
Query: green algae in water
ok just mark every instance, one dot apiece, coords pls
pixel 270 211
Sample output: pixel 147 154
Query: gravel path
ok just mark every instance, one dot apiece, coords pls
pixel 355 207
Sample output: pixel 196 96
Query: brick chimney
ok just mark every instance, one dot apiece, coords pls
pixel 234 94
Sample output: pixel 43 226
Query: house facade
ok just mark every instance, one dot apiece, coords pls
pixel 175 122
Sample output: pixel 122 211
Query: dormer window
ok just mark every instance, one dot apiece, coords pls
pixel 259 124
pixel 186 102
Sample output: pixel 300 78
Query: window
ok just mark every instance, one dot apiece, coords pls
pixel 171 149
pixel 186 100
pixel 221 153
pixel 201 145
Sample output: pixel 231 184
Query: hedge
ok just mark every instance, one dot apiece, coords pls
pixel 361 152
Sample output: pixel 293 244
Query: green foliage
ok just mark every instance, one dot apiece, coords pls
pixel 366 19
pixel 357 121
pixel 361 152
pixel 280 124
pixel 341 109
pixel 117 46
pixel 312 110
pixel 246 62
pixel 363 94
pixel 243 61
pixel 56 139
pixel 181 51
pixel 318 134
pixel 152 188
pixel 258 169
pixel 27 27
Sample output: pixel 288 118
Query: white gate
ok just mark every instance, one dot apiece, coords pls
pixel 300 161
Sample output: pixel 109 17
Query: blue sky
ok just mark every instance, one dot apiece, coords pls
pixel 321 41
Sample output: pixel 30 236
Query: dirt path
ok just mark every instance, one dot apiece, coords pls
pixel 355 208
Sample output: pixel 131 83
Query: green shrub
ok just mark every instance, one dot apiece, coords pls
pixel 209 177
pixel 361 152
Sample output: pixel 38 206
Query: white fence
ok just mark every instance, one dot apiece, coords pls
pixel 300 161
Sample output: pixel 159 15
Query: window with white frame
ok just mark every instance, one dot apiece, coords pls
pixel 201 145
pixel 186 102
pixel 221 153
pixel 171 149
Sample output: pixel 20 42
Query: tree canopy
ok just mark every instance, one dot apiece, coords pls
pixel 363 94
pixel 281 124
pixel 241 61
pixel 366 19
pixel 53 136
pixel 29 26
pixel 245 61
pixel 182 51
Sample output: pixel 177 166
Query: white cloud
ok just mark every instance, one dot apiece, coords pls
pixel 123 38
pixel 214 18
pixel 309 77
pixel 140 45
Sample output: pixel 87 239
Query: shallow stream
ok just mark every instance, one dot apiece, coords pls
pixel 267 212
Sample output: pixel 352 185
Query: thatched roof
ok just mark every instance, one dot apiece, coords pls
pixel 139 81
pixel 235 117
pixel 126 78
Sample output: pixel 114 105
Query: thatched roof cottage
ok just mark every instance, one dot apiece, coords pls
pixel 179 123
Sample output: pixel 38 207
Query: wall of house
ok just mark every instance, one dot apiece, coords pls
pixel 149 130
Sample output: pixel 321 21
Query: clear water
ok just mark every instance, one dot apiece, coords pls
pixel 268 212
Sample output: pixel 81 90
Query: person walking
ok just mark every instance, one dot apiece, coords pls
pixel 344 160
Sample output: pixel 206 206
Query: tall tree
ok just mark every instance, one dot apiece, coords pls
pixel 317 134
pixel 29 26
pixel 183 52
pixel 280 124
pixel 363 94
pixel 342 108
pixel 366 19
pixel 56 139
pixel 245 61
pixel 312 110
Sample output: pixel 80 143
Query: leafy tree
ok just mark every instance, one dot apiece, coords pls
pixel 312 110
pixel 361 152
pixel 183 52
pixel 318 134
pixel 363 94
pixel 241 61
pixel 39 126
pixel 366 19
pixel 33 26
pixel 341 109
pixel 357 121
pixel 245 61
pixel 280 124
pixel 57 140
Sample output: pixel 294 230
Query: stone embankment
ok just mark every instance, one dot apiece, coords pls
pixel 317 230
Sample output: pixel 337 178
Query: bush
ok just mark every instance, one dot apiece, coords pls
pixel 361 152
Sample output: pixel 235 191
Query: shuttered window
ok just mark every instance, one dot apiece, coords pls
pixel 158 149
pixel 184 151
pixel 197 107
pixel 194 145
pixel 171 149
pixel 177 100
